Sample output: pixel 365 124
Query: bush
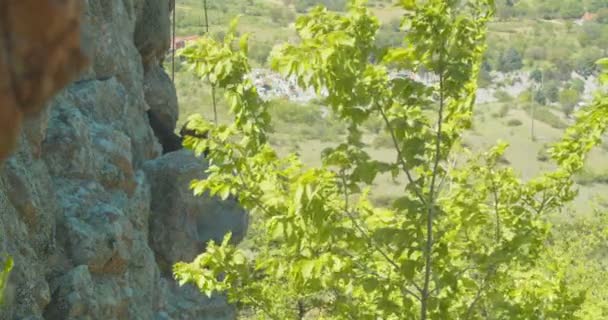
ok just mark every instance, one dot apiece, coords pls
pixel 514 123
pixel 551 91
pixel 543 153
pixel 502 111
pixel 281 15
pixel 578 85
pixel 587 177
pixel 568 99
pixel 510 60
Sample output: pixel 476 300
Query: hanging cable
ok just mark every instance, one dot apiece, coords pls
pixel 173 46
pixel 213 100
pixel 206 18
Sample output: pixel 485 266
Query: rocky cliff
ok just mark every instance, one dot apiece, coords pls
pixel 90 210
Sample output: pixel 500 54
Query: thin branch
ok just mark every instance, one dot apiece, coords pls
pixel 431 205
pixel 260 306
pixel 367 270
pixel 480 290
pixel 400 157
pixel 370 240
pixel 496 210
pixel 214 104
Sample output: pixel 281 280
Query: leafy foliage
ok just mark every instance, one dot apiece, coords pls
pixel 462 242
pixel 4 273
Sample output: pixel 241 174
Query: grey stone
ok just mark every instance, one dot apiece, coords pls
pixel 152 31
pixel 180 223
pixel 161 96
pixel 91 215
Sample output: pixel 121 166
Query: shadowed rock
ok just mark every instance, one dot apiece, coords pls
pixel 182 224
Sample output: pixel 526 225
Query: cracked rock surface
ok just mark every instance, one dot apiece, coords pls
pixel 91 212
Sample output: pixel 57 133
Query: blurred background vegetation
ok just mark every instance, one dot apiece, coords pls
pixel 548 48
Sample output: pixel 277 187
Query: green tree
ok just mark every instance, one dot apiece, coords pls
pixel 551 91
pixel 540 97
pixel 571 9
pixel 584 62
pixel 578 85
pixel 568 99
pixel 510 60
pixel 460 243
pixel 536 75
pixel 595 5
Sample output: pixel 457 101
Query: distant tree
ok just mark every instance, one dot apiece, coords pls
pixel 538 53
pixel 536 75
pixel 584 62
pixel 281 15
pixel 510 60
pixel 551 91
pixel 539 97
pixel 571 9
pixel 505 9
pixel 595 5
pixel 568 98
pixel 589 34
pixel 602 16
pixel 578 85
pixel 549 9
pixel 562 71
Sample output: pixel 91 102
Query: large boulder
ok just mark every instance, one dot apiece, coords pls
pixel 180 223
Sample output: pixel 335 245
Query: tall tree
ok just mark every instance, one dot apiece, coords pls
pixel 462 242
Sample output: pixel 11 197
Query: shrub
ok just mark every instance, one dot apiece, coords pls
pixel 514 123
pixel 587 177
pixel 543 153
pixel 502 111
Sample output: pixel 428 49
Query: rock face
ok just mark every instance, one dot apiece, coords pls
pixel 90 211
pixel 39 53
pixel 180 224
